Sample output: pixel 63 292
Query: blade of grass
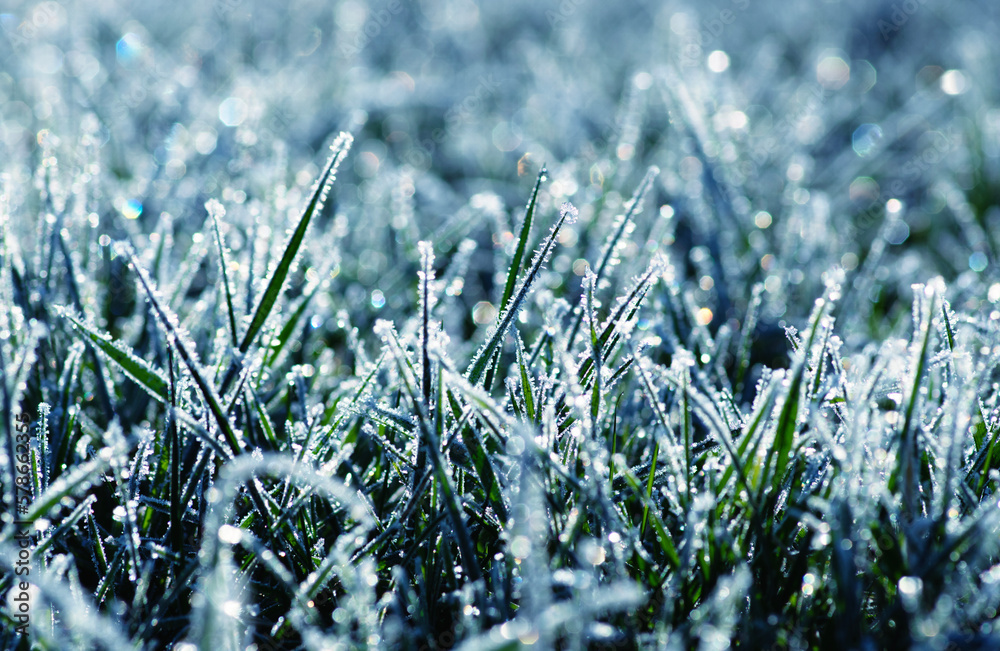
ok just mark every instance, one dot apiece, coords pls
pixel 906 469
pixel 522 240
pixel 339 148
pixel 480 363
pixel 276 283
pixel 614 240
pixel 450 498
pixel 527 390
pixel 168 320
pixel 139 370
pixel 776 461
pixel 216 212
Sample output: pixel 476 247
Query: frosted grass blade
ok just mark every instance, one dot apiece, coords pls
pixel 480 363
pixel 325 181
pixel 614 240
pixel 217 212
pixel 138 369
pixel 522 240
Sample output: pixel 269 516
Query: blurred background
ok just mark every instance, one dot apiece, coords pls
pixel 792 137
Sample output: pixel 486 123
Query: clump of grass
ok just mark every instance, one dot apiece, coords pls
pixel 584 490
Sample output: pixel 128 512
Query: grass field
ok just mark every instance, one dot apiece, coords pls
pixel 469 325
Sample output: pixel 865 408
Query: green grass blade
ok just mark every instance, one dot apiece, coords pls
pixel 481 362
pixel 480 456
pixel 666 542
pixel 776 462
pixel 216 212
pixel 69 485
pixel 522 240
pixel 649 486
pixel 526 385
pixel 168 320
pixel 749 325
pixel 907 469
pixel 614 240
pixel 596 352
pixel 139 370
pixel 274 286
